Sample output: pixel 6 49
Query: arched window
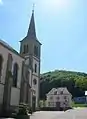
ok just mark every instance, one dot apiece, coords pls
pixel 1 61
pixel 35 68
pixel 27 48
pixel 24 48
pixel 10 59
pixel 35 50
pixel 15 74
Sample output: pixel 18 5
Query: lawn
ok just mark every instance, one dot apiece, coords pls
pixel 78 105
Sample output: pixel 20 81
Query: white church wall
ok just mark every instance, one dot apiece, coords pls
pixel 1 93
pixel 15 96
pixel 16 59
pixel 4 54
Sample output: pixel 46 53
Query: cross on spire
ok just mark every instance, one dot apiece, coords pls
pixel 33 8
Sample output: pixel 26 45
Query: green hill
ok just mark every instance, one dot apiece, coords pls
pixel 76 82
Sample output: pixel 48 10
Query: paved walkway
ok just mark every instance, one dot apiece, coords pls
pixel 79 113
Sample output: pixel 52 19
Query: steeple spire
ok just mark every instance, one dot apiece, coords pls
pixel 31 31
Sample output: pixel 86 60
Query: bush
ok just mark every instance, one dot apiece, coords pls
pixel 22 110
pixel 30 110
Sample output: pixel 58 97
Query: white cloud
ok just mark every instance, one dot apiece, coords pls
pixel 1 2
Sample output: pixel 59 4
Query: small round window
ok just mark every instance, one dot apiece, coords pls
pixel 35 81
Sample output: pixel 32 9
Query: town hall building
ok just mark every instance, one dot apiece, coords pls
pixel 20 72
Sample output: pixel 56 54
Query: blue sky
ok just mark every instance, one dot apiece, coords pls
pixel 61 28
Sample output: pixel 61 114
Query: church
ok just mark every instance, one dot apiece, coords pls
pixel 20 72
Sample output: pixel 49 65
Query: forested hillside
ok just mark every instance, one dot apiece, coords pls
pixel 76 82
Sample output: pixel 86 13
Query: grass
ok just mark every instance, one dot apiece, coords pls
pixel 78 105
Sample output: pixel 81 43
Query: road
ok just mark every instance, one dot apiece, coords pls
pixel 79 113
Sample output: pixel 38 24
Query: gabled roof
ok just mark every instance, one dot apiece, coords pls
pixel 6 45
pixel 52 91
pixel 58 91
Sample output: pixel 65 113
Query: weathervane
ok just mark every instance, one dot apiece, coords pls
pixel 33 7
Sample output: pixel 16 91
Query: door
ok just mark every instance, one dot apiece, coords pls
pixel 58 105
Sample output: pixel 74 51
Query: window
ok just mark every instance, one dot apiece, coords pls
pixel 61 92
pixel 48 103
pixel 24 48
pixel 35 68
pixel 55 92
pixel 10 62
pixel 35 50
pixel 51 97
pixel 15 74
pixel 27 49
pixel 57 98
pixel 1 61
pixel 65 97
pixel 34 81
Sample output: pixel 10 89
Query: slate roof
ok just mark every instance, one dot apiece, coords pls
pixel 6 45
pixel 31 34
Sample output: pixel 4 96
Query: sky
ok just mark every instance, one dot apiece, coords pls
pixel 61 27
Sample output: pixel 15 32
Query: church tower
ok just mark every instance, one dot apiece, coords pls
pixel 30 48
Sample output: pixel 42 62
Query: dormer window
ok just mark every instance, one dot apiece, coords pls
pixel 55 93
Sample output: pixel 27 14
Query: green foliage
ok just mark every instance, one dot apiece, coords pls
pixel 23 109
pixel 30 110
pixel 78 105
pixel 76 82
pixel 42 103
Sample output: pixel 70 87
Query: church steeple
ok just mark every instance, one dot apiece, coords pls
pixel 31 31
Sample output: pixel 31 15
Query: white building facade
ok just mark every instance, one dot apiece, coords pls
pixel 10 76
pixel 59 98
